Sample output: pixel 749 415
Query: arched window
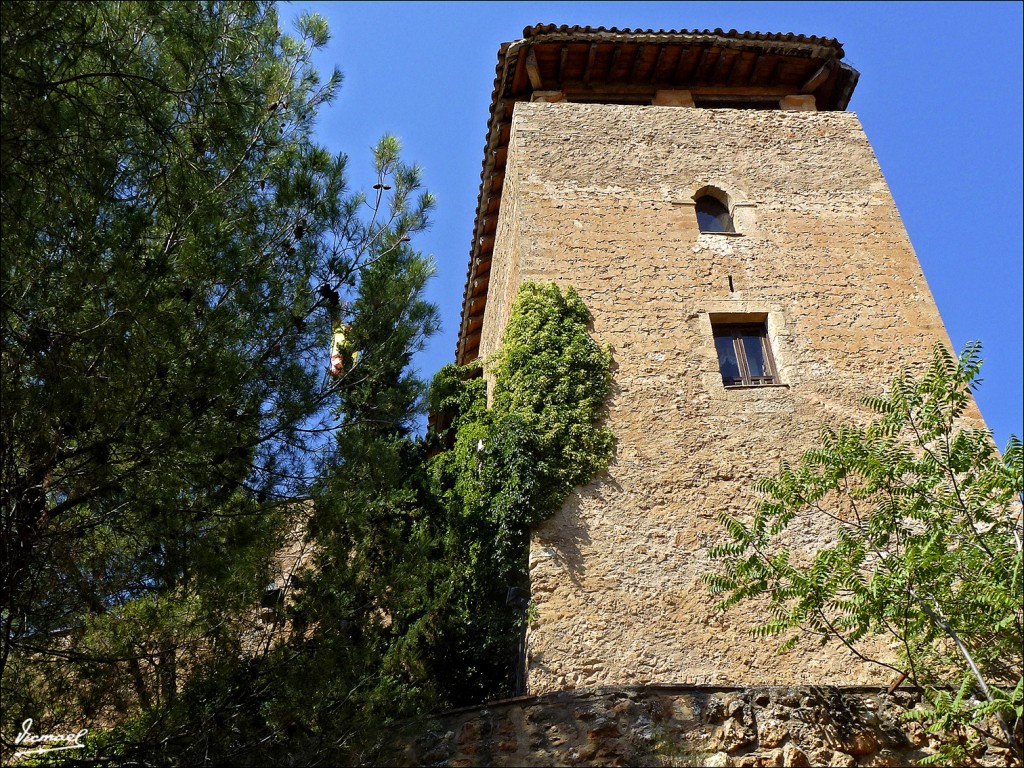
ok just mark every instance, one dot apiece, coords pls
pixel 713 215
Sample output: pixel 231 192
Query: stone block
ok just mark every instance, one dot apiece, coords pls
pixel 603 728
pixel 733 736
pixel 673 98
pixel 771 733
pixel 794 757
pixel 549 97
pixel 860 743
pixel 471 731
pixel 799 102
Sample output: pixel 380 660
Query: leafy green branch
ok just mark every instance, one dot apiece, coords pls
pixel 927 521
pixel 513 464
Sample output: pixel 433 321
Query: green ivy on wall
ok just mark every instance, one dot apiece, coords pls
pixel 514 464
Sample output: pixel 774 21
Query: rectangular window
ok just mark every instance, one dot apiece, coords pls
pixel 744 355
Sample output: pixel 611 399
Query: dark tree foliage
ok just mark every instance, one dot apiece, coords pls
pixel 176 251
pixel 407 608
pixel 364 615
pixel 356 625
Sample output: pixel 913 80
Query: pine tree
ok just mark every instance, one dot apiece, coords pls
pixel 176 252
pixel 365 608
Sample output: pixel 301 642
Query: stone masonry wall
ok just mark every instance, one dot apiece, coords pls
pixel 600 197
pixel 673 726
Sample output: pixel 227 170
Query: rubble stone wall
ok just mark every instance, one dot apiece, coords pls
pixel 601 197
pixel 673 726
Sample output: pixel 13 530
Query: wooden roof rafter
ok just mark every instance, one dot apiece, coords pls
pixel 638 56
pixel 589 70
pixel 616 53
pixel 662 50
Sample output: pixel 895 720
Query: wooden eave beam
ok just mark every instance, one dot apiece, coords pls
pixel 752 75
pixel 741 91
pixel 533 70
pixel 657 63
pixel 819 77
pixel 589 69
pixel 480 286
pixel 616 53
pixel 692 76
pixel 719 65
pixel 563 57
pixel 637 57
pixel 470 349
pixel 710 66
pixel 474 323
pixel 677 70
pixel 519 81
pixel 727 77
pixel 598 93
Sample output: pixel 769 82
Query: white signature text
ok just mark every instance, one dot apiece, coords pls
pixel 47 742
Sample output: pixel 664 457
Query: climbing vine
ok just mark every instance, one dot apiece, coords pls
pixel 514 464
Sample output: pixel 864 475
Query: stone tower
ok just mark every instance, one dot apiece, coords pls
pixel 727 224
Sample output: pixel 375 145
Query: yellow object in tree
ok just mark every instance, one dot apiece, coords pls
pixel 343 357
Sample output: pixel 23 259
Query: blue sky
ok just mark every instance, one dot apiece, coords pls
pixel 939 97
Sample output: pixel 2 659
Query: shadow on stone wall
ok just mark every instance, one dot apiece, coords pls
pixel 671 726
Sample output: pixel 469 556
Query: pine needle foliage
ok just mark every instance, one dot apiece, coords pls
pixel 176 251
pixel 361 618
pixel 927 551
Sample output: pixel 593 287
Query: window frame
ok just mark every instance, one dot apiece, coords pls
pixel 729 223
pixel 736 331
